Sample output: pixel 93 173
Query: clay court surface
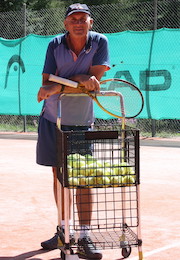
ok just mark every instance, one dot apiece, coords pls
pixel 28 213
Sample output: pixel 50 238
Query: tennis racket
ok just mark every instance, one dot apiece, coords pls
pixel 122 100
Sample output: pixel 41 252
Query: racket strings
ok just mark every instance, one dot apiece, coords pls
pixel 131 103
pixel 111 104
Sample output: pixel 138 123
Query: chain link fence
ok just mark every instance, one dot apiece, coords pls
pixel 108 18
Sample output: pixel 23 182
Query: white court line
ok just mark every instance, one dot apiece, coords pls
pixel 157 250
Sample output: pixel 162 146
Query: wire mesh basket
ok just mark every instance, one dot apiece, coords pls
pixel 99 158
pixel 105 163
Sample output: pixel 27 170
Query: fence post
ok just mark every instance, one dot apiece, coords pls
pixel 153 121
pixel 24 34
pixel 155 15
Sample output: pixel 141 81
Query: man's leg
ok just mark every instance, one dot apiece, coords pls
pixel 84 206
pixel 86 248
pixel 52 243
pixel 54 169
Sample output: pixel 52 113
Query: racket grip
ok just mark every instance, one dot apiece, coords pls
pixel 63 81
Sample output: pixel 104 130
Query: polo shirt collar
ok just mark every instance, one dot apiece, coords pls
pixel 88 45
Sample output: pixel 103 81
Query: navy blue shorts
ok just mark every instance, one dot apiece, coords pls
pixel 46 150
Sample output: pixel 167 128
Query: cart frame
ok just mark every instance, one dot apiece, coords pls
pixel 126 141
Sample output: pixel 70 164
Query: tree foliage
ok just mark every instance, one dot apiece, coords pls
pixel 10 5
pixel 16 5
pixel 45 17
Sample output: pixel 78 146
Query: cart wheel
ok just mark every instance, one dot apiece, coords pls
pixel 126 251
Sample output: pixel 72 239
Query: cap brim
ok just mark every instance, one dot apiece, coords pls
pixel 78 11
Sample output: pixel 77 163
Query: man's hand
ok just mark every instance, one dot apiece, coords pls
pixel 92 84
pixel 89 82
pixel 47 91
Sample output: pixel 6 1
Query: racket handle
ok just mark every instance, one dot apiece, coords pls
pixel 63 81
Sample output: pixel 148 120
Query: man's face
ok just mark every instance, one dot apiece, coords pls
pixel 78 24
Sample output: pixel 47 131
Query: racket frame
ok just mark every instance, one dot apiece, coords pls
pixel 93 95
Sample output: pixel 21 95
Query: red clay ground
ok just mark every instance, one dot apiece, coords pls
pixel 29 216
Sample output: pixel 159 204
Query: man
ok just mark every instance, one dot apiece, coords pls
pixel 80 55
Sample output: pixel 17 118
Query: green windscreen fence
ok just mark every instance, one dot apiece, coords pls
pixel 149 59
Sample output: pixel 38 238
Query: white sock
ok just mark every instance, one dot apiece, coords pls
pixel 85 231
pixel 70 225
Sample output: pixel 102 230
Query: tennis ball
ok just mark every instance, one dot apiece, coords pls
pixel 77 164
pixel 107 164
pixel 118 170
pixel 69 170
pixel 74 172
pixel 116 181
pixel 122 168
pixel 128 170
pixel 73 181
pixel 91 168
pixel 82 180
pixel 76 160
pixel 99 172
pixel 128 180
pixel 125 168
pixel 100 163
pixel 106 181
pixel 124 164
pixel 103 181
pixel 108 172
pixel 132 173
pixel 77 156
pixel 82 170
pixel 90 182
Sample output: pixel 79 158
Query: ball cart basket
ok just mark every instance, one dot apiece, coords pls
pixel 105 160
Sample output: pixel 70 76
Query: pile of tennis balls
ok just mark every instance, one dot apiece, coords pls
pixel 85 170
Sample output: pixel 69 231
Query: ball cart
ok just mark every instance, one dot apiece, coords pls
pixel 106 161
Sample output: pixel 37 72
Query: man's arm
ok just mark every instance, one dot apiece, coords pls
pixel 98 71
pixel 90 82
pixel 50 88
